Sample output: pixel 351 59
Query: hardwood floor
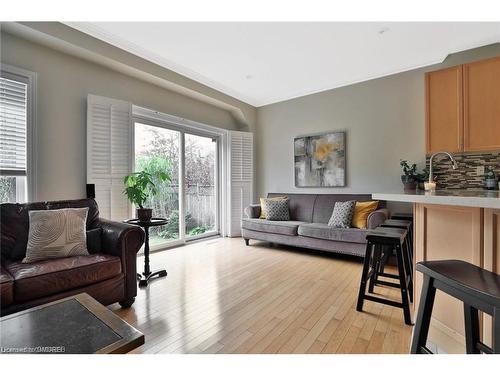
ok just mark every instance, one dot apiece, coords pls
pixel 223 297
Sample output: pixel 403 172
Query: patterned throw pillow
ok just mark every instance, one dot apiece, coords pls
pixel 56 234
pixel 263 205
pixel 342 214
pixel 277 210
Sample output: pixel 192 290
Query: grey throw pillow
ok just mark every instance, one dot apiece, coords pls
pixel 277 210
pixel 56 234
pixel 342 214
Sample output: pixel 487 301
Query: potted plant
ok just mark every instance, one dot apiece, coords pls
pixel 490 179
pixel 139 186
pixel 409 178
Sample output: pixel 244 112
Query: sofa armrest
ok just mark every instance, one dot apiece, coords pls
pixel 124 241
pixel 253 211
pixel 377 217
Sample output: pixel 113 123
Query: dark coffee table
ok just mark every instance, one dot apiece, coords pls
pixel 73 325
pixel 147 274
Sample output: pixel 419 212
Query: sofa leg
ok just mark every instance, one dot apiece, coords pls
pixel 125 304
pixel 247 241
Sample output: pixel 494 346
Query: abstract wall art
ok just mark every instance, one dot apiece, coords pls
pixel 320 160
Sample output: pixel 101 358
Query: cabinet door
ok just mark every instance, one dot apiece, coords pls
pixel 444 110
pixel 482 105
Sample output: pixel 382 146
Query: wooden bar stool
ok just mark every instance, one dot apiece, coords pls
pixel 403 224
pixel 408 245
pixel 477 288
pixel 402 216
pixel 407 260
pixel 379 240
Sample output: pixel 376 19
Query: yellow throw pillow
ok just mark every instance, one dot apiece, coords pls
pixel 263 205
pixel 361 212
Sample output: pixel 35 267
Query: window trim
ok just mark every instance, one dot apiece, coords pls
pixel 31 125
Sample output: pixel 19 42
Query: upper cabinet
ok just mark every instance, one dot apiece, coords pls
pixel 463 108
pixel 444 110
pixel 482 105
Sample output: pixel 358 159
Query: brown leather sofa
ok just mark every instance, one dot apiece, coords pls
pixel 108 274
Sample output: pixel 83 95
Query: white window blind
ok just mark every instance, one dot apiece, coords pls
pixel 109 149
pixel 241 178
pixel 13 127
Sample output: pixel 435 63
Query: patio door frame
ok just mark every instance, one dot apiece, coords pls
pixel 183 126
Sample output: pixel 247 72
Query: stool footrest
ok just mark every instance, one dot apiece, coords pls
pixel 387 283
pixel 389 275
pixel 384 301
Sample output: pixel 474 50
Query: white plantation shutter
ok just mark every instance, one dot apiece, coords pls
pixel 109 153
pixel 241 178
pixel 13 127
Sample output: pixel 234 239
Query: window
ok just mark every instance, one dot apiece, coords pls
pixel 16 135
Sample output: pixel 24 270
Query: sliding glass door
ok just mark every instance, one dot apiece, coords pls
pixel 190 201
pixel 200 155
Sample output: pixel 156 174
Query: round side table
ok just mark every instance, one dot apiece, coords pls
pixel 147 274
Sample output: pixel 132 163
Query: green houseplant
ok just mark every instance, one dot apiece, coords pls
pixel 409 178
pixel 141 185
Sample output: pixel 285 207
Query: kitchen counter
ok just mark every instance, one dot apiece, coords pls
pixel 463 198
pixel 453 224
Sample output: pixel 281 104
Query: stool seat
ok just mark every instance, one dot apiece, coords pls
pixel 386 235
pixel 402 216
pixel 465 277
pixel 398 223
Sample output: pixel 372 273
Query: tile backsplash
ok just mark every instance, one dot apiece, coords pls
pixel 466 176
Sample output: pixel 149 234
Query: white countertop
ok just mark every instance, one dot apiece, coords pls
pixel 467 198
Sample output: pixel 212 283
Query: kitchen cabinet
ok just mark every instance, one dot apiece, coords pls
pixel 444 110
pixel 481 82
pixel 463 108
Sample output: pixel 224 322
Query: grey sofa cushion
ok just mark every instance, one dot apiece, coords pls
pixel 289 228
pixel 325 232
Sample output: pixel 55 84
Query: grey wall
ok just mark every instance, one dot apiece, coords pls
pixel 63 84
pixel 384 120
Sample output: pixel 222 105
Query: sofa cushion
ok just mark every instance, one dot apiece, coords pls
pixel 278 227
pixel 40 279
pixel 6 287
pixel 277 210
pixel 325 232
pixel 324 203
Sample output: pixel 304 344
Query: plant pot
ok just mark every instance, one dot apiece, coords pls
pixel 408 183
pixel 144 214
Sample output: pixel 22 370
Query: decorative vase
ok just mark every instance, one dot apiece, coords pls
pixel 490 184
pixel 144 214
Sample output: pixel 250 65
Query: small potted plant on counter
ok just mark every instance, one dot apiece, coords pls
pixel 142 185
pixel 410 177
pixel 490 179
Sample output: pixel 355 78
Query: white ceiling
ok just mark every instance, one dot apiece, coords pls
pixel 263 63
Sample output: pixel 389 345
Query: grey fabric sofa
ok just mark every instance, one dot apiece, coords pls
pixel 308 225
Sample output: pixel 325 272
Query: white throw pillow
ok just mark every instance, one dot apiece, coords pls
pixel 56 234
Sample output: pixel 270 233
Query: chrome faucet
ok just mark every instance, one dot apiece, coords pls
pixel 454 165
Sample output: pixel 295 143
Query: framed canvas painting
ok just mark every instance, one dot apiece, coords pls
pixel 320 160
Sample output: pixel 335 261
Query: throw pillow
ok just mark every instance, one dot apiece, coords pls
pixel 263 205
pixel 361 213
pixel 277 210
pixel 56 234
pixel 342 214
